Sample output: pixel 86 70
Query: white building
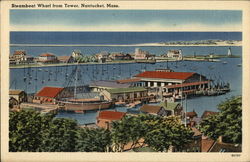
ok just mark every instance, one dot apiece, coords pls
pixel 175 54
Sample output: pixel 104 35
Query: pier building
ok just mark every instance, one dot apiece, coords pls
pixel 127 95
pixel 51 95
pixel 47 58
pixel 169 83
pixel 175 54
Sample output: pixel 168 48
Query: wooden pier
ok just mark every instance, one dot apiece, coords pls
pixel 43 108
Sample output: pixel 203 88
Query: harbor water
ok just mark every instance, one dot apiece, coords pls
pixel 226 70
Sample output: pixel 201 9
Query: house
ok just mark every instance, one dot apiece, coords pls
pixel 105 118
pixel 65 59
pixel 142 55
pixel 206 144
pixel 191 115
pixel 153 109
pixel 172 108
pixel 102 57
pixel 47 58
pixel 175 54
pixel 20 57
pixel 117 56
pixel 127 95
pixel 208 113
pixel 13 103
pixel 220 146
pixel 19 95
pixel 50 95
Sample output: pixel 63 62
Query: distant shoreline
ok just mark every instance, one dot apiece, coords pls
pixel 122 45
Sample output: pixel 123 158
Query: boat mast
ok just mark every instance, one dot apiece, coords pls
pixel 76 77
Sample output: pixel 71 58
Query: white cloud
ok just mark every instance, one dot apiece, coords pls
pixel 126 27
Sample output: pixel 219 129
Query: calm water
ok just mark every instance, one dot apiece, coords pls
pixel 115 37
pixel 38 77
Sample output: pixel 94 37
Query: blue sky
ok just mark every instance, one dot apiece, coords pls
pixel 125 20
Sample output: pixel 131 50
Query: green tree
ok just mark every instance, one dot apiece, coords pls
pixel 93 140
pixel 25 130
pixel 60 137
pixel 227 123
pixel 166 132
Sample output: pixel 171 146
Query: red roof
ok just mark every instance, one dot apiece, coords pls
pixel 208 113
pixel 111 115
pixel 51 92
pixel 19 52
pixel 165 75
pixel 46 54
pixel 186 84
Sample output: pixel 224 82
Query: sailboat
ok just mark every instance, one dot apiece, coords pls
pixel 83 104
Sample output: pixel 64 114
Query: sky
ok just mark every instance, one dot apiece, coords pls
pixel 125 20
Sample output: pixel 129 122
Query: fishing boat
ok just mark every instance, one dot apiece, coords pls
pixel 83 104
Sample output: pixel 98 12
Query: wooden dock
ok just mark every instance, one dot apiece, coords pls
pixel 43 108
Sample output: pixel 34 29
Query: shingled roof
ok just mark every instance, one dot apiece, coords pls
pixel 111 115
pixel 165 75
pixel 150 108
pixel 51 92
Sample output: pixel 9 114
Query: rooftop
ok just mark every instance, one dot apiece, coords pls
pixel 51 92
pixel 169 105
pixel 206 144
pixel 108 84
pixel 19 52
pixel 64 58
pixel 191 114
pixel 208 113
pixel 150 108
pixel 165 75
pixel 130 80
pixel 111 115
pixel 126 90
pixel 15 92
pixel 46 54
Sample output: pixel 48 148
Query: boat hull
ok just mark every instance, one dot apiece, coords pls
pixel 87 106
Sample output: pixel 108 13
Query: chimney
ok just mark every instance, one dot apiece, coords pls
pixel 220 139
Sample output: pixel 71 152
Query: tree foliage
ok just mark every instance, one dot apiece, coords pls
pixel 156 132
pixel 25 130
pixel 227 123
pixel 93 140
pixel 60 137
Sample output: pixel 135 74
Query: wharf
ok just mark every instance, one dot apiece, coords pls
pixel 43 108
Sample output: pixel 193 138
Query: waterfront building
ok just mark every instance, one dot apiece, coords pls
pixel 20 57
pixel 99 86
pixel 65 59
pixel 120 56
pixel 47 58
pixel 19 95
pixel 191 115
pixel 175 54
pixel 16 97
pixel 142 55
pixel 169 84
pixel 153 110
pixel 102 57
pixel 128 95
pixel 105 118
pixel 51 95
